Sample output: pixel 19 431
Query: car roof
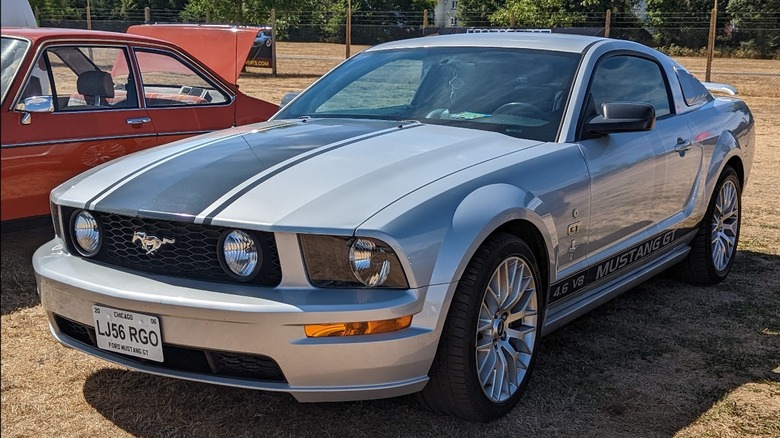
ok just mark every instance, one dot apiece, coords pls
pixel 47 33
pixel 527 40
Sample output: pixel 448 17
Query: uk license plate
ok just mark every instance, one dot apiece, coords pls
pixel 130 333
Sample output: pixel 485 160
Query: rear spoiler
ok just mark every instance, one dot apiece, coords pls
pixel 720 88
pixel 223 48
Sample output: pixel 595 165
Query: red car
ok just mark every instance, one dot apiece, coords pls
pixel 73 99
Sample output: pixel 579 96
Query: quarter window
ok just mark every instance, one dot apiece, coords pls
pixel 693 90
pixel 167 81
pixel 630 79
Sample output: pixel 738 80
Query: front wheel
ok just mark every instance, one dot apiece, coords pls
pixel 715 246
pixel 488 345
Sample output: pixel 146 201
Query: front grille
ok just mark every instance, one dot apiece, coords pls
pixel 193 255
pixel 237 365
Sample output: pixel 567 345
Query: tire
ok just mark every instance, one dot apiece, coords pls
pixel 714 248
pixel 480 331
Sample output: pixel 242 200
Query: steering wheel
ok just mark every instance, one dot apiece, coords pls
pixel 522 109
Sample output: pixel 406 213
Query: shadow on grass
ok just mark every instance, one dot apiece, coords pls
pixel 18 278
pixel 648 363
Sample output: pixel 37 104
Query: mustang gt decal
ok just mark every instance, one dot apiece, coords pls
pixel 582 279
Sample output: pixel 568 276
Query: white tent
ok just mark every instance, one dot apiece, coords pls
pixel 17 13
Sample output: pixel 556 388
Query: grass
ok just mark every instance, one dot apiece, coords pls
pixel 664 359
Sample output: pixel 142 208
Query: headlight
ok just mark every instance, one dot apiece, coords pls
pixel 369 262
pixel 86 233
pixel 240 255
pixel 358 262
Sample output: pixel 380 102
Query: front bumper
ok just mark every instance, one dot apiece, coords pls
pixel 255 321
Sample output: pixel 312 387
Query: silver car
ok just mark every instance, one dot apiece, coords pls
pixel 413 222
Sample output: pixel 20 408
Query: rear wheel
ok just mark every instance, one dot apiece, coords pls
pixel 715 246
pixel 487 348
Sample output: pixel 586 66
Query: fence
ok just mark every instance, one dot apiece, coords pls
pixel 746 53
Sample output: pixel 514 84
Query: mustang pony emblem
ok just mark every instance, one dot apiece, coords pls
pixel 150 243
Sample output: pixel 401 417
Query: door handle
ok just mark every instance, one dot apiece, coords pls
pixel 138 120
pixel 682 145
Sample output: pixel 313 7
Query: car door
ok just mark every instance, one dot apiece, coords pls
pixel 628 169
pixel 182 99
pixel 85 116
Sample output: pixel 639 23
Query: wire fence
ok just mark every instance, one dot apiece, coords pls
pixel 746 49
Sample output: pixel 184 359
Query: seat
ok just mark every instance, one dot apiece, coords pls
pixel 96 86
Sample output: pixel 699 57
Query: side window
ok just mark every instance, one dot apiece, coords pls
pixel 82 78
pixel 630 79
pixel 167 81
pixel 391 85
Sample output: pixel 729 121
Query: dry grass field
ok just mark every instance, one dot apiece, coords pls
pixel 664 359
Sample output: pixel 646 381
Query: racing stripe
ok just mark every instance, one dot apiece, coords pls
pixel 92 203
pixel 208 215
pixel 188 183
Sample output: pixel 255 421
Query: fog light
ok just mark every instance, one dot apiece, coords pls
pixel 86 233
pixel 357 328
pixel 240 255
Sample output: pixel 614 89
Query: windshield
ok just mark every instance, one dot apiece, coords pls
pixel 13 51
pixel 517 92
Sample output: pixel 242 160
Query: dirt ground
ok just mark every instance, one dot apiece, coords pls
pixel 664 359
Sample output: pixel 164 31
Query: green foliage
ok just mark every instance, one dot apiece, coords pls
pixel 534 13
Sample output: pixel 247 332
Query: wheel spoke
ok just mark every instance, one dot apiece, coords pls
pixel 506 329
pixel 487 367
pixel 725 225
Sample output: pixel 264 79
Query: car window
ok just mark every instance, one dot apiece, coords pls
pixel 517 92
pixel 167 81
pixel 13 52
pixel 626 78
pixel 693 90
pixel 82 78
pixel 392 84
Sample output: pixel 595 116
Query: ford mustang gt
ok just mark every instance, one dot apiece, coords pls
pixel 413 222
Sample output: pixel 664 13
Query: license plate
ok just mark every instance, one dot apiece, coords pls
pixel 129 333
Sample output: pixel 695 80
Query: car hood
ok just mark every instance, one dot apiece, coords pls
pixel 323 175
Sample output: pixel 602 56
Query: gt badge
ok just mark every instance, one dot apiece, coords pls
pixel 150 243
pixel 573 228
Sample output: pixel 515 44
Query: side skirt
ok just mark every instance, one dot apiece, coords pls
pixel 570 310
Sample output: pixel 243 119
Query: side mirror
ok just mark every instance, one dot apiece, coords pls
pixel 622 117
pixel 36 104
pixel 289 97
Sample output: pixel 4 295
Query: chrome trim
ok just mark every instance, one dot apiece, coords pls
pixel 138 120
pixel 19 92
pixel 74 140
pixel 190 133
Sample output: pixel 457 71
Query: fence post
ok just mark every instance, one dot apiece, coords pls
pixel 89 16
pixel 607 23
pixel 208 17
pixel 425 20
pixel 147 14
pixel 349 28
pixel 512 21
pixel 711 41
pixel 275 37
